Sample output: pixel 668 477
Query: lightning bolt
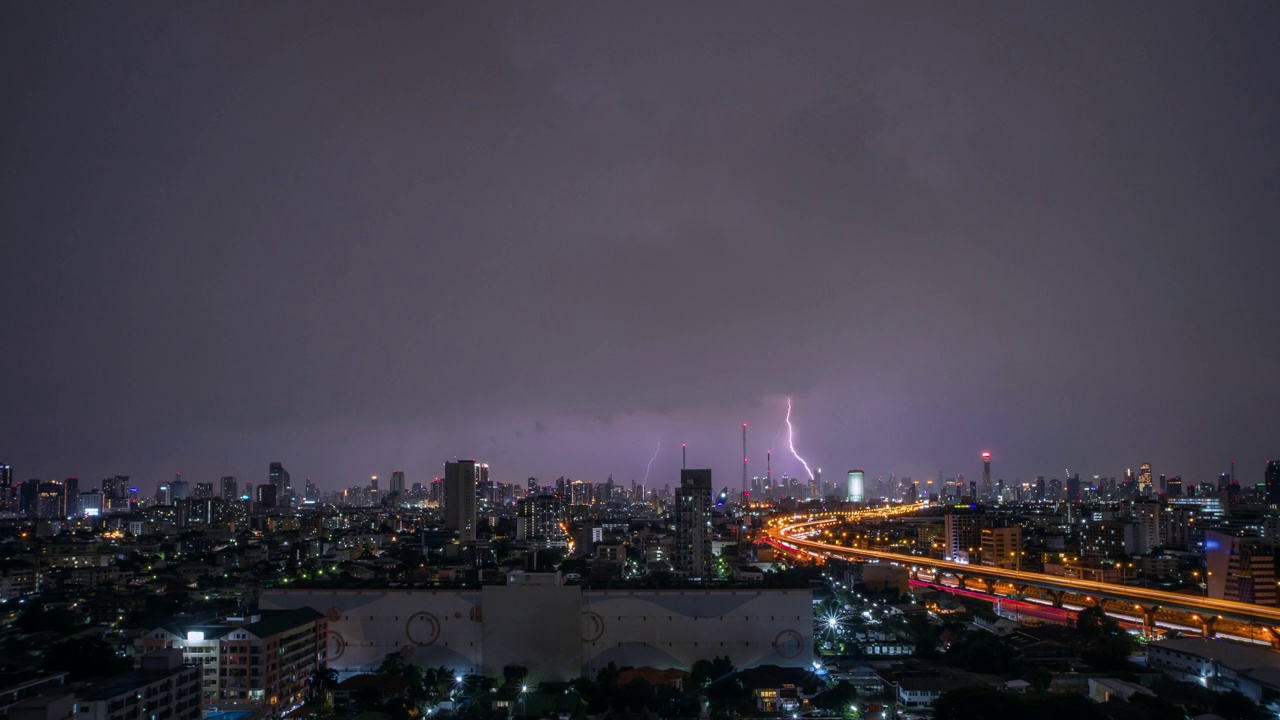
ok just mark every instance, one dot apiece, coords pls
pixel 650 465
pixel 791 440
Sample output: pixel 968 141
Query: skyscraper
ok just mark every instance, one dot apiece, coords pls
pixel 7 497
pixel 1271 481
pixel 1144 479
pixel 70 494
pixel 986 476
pixel 460 498
pixel 267 496
pixel 692 553
pixel 229 489
pixel 278 476
pixel 397 482
pixel 856 488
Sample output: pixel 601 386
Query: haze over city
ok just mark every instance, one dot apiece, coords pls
pixel 546 236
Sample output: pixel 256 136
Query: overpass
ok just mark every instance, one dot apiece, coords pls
pixel 794 533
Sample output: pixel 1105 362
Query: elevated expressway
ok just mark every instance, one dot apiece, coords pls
pixel 794 533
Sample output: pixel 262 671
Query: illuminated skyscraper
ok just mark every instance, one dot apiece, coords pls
pixel 1144 479
pixel 986 475
pixel 692 552
pixel 856 488
pixel 460 498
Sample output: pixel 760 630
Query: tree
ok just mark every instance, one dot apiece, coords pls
pixel 1110 645
pixel 980 651
pixel 985 703
pixel 515 674
pixel 838 698
pixel 1235 706
pixel 322 681
pixel 704 672
pixel 393 664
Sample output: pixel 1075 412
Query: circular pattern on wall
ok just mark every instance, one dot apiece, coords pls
pixel 422 629
pixel 789 644
pixel 335 645
pixel 334 614
pixel 592 626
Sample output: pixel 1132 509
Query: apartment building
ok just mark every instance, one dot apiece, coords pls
pixel 265 658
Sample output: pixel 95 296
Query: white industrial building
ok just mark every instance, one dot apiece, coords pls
pixel 559 631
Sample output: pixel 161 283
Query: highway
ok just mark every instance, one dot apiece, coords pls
pixel 795 532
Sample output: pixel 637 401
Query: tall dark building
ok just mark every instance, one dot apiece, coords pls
pixel 7 497
pixel 692 551
pixel 70 494
pixel 1173 487
pixel 1272 481
pixel 229 490
pixel 28 493
pixel 278 476
pixel 460 498
pixel 397 483
pixel 267 495
pixel 1073 488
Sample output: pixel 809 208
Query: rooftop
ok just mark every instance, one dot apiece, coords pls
pixel 1236 656
pixel 278 621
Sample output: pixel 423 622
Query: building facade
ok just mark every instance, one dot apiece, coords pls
pixel 692 551
pixel 573 632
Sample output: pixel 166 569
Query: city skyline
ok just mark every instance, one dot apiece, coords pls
pixel 781 464
pixel 547 237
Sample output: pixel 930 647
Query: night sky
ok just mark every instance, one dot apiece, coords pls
pixel 358 238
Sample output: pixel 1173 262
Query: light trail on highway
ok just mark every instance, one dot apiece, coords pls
pixel 796 530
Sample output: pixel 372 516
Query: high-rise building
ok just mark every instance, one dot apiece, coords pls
pixel 962 532
pixel 1173 487
pixel 1241 567
pixel 277 475
pixel 204 491
pixel 460 498
pixel 1144 479
pixel 986 475
pixel 115 491
pixel 692 553
pixel 1271 482
pixel 856 487
pixel 1073 488
pixel 1002 547
pixel 267 495
pixel 229 489
pixel 538 521
pixel 7 497
pixel 484 486
pixel 70 495
pixel 178 490
pixel 397 483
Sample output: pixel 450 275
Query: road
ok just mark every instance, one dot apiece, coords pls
pixel 794 532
